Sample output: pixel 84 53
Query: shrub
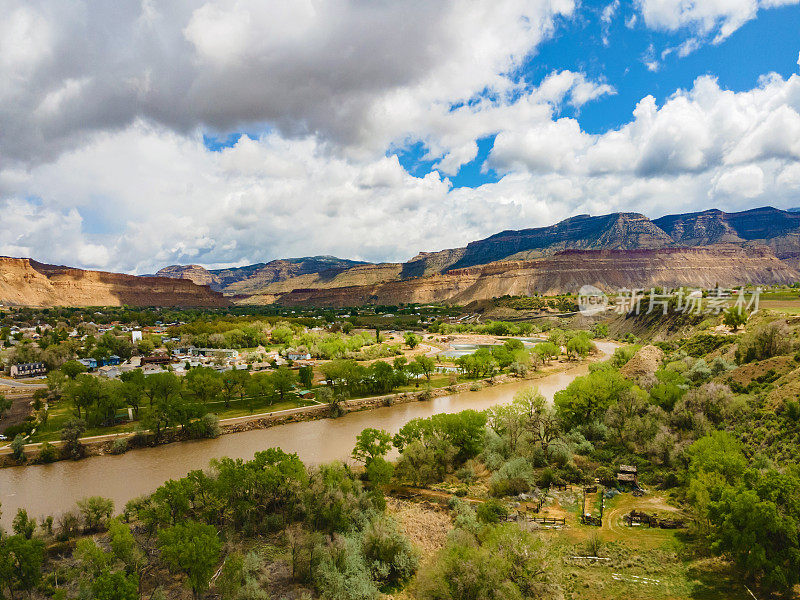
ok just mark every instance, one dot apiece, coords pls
pixel 538 457
pixel 699 372
pixel 559 452
pixel 466 474
pixel 18 448
pixel 48 453
pixel 508 487
pixel 120 446
pixel 424 396
pixel 606 476
pixel 389 555
pixel 720 365
pixel 793 410
pixel 505 562
pixel 546 478
pixel 341 573
pixel 139 438
pixel 491 511
pixel 69 525
pixel 25 428
pixel 515 477
pixel 96 510
pixel 205 427
pixel 23 525
pixel 493 460
pixel 764 342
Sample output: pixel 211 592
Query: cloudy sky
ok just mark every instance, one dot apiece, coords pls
pixel 140 133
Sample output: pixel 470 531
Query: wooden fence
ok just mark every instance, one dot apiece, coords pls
pixel 636 517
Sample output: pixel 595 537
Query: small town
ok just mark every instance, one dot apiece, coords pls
pixel 400 300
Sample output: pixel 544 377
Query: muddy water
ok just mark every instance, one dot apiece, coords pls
pixel 52 489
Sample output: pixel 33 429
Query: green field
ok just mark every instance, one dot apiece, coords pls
pixel 63 411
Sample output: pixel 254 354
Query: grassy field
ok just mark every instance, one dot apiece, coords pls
pixel 785 306
pixel 643 563
pixel 63 411
pixel 639 563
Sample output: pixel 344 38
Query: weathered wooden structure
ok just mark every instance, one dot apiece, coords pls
pixel 628 474
pixel 636 517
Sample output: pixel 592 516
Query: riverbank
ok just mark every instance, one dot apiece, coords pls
pixel 52 489
pixel 100 445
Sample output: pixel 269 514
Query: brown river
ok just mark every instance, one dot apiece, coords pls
pixel 54 488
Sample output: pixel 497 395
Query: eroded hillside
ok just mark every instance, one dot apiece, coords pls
pixel 27 282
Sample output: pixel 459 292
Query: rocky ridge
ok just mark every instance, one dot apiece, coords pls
pixel 30 283
pixel 567 271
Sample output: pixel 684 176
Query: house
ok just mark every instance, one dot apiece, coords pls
pixel 89 363
pixel 155 359
pixel 28 369
pixel 295 355
pixel 109 372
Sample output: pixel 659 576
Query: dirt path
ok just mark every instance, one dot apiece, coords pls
pixel 613 522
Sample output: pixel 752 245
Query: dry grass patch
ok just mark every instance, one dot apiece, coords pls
pixel 425 524
pixel 746 373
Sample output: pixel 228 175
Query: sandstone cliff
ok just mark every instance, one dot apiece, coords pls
pixel 30 283
pixel 306 279
pixel 253 278
pixel 725 265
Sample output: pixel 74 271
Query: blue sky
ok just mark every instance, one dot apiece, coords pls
pixel 617 53
pixel 224 133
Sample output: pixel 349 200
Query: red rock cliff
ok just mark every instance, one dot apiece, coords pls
pixel 31 283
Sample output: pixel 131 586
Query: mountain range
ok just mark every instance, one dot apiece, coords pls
pixel 761 245
pixel 758 246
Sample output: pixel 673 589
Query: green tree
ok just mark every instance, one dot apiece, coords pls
pixel 96 510
pixel 20 563
pixel 72 368
pixel 379 471
pixel 204 384
pixel 426 365
pixel 132 390
pixel 5 404
pixel 412 339
pixel 84 393
pixel 191 548
pixel 23 525
pixel 71 433
pixel 580 345
pixel 734 318
pixel 371 444
pixel 18 447
pixel 283 381
pixel 56 382
pixel 124 546
pixel 547 350
pixel 588 397
pixel 306 376
pixel 115 585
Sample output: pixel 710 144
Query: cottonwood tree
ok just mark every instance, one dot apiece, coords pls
pixel 20 563
pixel 193 549
pixel 371 444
